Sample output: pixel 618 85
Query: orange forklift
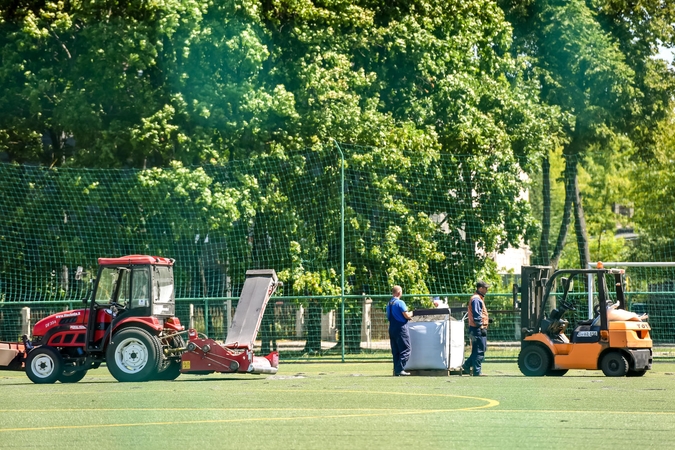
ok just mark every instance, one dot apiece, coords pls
pixel 617 347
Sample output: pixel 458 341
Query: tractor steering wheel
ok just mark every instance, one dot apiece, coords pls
pixel 117 306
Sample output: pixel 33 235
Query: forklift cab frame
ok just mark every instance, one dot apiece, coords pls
pixel 539 282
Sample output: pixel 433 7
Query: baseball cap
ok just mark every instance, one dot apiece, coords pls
pixel 481 283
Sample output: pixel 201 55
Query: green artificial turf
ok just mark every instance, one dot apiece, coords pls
pixel 343 406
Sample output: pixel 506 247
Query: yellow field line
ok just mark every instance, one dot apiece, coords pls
pixel 261 419
pixel 384 412
pixel 558 411
pixel 70 410
pixel 254 419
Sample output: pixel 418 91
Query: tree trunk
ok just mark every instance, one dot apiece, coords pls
pixel 580 226
pixel 543 257
pixel 55 154
pixel 352 327
pixel 313 326
pixel 570 180
pixel 562 233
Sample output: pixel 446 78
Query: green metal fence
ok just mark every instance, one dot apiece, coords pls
pixel 339 224
pixel 309 328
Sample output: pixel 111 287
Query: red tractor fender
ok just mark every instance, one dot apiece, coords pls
pixel 151 324
pixel 173 323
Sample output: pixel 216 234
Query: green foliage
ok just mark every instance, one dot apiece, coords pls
pixel 655 186
pixel 594 60
pixel 446 96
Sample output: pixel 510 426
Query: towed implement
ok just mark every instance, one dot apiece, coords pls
pixel 614 340
pixel 130 325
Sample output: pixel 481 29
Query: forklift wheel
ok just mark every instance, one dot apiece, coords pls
pixel 534 361
pixel 614 364
pixel 556 372
pixel 636 373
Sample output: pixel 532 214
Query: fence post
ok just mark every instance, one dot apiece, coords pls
pixel 366 305
pixel 206 316
pixel 328 328
pixel 299 321
pixel 25 321
pixel 192 317
pixel 342 248
pixel 228 316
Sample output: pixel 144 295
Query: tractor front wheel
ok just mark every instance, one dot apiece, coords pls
pixel 133 355
pixel 534 361
pixel 614 364
pixel 44 365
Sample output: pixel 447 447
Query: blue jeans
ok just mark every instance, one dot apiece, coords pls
pixel 478 347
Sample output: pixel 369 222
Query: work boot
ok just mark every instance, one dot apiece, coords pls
pixel 403 373
pixel 466 371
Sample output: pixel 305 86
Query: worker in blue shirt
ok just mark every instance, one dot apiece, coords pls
pixel 477 315
pixel 399 338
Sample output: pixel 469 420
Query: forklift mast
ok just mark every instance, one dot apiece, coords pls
pixel 534 279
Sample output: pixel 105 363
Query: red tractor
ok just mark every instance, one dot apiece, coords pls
pixel 130 325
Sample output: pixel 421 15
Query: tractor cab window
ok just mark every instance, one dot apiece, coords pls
pixel 108 281
pixel 140 288
pixel 162 291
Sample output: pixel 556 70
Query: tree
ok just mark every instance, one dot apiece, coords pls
pixel 594 60
pixel 654 186
pixel 440 121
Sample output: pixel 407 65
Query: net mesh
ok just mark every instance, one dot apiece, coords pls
pixel 404 224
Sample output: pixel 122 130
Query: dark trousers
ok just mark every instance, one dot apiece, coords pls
pixel 478 347
pixel 399 338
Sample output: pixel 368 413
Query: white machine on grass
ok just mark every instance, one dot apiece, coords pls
pixel 437 343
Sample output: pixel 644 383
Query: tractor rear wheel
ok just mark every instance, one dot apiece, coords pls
pixel 170 367
pixel 614 364
pixel 44 365
pixel 133 355
pixel 72 376
pixel 170 372
pixel 534 361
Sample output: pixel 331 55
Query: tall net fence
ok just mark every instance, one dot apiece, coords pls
pixel 651 290
pixel 404 223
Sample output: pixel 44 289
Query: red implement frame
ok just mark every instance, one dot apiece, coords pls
pixel 11 355
pixel 204 355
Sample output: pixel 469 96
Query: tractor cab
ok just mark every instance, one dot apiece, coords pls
pixel 130 288
pixel 136 285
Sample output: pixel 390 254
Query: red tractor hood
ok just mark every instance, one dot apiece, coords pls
pixel 73 317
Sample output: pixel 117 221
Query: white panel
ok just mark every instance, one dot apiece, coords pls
pixel 456 344
pixel 429 345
